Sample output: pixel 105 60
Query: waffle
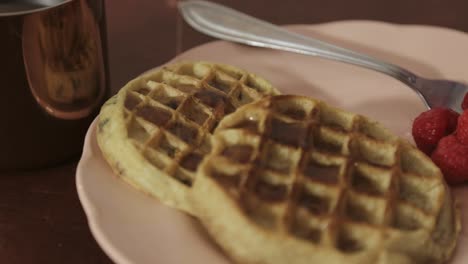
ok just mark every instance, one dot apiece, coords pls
pixel 157 129
pixel 293 180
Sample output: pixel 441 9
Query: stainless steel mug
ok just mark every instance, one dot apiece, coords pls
pixel 54 77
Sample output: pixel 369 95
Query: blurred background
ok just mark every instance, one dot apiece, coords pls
pixel 147 33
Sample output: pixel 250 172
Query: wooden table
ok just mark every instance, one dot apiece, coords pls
pixel 41 219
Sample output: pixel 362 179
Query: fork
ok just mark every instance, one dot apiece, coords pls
pixel 225 23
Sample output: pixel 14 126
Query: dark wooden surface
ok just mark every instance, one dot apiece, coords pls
pixel 41 219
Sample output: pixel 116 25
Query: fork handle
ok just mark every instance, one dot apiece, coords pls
pixel 225 23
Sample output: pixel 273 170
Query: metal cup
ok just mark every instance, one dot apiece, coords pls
pixel 53 69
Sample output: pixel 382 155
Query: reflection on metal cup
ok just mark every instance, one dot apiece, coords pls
pixel 63 59
pixel 59 81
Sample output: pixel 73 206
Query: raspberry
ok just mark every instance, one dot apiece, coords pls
pixel 462 128
pixel 452 121
pixel 452 158
pixel 430 126
pixel 465 102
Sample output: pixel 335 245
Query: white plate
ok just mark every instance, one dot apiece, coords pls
pixel 134 228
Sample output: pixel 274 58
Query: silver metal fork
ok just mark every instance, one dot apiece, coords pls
pixel 225 23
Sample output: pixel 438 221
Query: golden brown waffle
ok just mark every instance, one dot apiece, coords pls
pixel 293 180
pixel 155 132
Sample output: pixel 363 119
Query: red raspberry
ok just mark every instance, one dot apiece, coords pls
pixel 465 102
pixel 430 126
pixel 462 128
pixel 452 158
pixel 452 121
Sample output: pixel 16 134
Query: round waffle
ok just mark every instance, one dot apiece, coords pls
pixel 293 180
pixel 157 129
